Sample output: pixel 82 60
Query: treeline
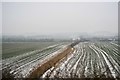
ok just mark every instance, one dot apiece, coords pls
pixel 26 40
pixel 21 39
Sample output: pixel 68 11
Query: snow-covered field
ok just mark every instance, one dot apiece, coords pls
pixel 89 60
pixel 21 66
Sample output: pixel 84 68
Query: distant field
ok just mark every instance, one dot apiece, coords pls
pixel 10 49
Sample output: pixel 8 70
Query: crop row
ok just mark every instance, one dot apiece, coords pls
pixel 89 60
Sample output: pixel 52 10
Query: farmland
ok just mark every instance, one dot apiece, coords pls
pixel 19 58
pixel 89 60
pixel 11 49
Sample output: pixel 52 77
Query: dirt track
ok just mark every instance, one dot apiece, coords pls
pixel 50 63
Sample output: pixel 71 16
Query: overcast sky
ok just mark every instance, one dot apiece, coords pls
pixel 51 18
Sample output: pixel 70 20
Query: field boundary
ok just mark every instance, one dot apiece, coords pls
pixel 50 63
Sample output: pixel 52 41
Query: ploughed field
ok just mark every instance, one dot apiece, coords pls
pixel 89 60
pixel 19 59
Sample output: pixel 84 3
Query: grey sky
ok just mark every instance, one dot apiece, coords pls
pixel 46 18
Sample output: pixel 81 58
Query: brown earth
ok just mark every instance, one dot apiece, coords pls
pixel 50 63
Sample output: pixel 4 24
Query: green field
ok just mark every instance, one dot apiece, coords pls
pixel 21 57
pixel 10 49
